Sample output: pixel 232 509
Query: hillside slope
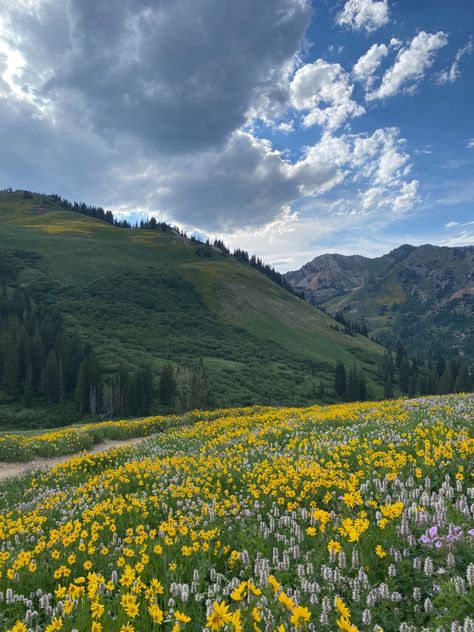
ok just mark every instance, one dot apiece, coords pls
pixel 423 295
pixel 148 296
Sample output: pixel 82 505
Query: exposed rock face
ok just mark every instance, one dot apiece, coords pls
pixel 424 294
pixel 328 276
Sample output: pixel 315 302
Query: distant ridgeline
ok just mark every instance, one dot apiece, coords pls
pixel 204 248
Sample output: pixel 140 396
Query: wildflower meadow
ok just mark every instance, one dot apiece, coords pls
pixel 354 517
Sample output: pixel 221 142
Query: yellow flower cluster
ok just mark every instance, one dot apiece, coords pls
pixel 252 519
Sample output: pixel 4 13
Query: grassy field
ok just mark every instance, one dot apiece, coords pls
pixel 147 296
pixel 349 517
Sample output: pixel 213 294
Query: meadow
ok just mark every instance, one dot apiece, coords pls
pixel 346 517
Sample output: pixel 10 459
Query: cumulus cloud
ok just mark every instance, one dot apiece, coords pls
pixel 411 63
pixel 470 143
pixel 146 105
pixel 324 91
pixel 368 63
pixel 364 14
pixel 449 75
pixel 179 75
pixel 250 184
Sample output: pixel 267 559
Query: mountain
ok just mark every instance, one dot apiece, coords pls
pixel 154 297
pixel 423 295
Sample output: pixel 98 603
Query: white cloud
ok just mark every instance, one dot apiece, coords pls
pixel 463 239
pixel 449 75
pixel 286 127
pixel 470 143
pixel 368 63
pixel 381 156
pixel 451 224
pixel 406 198
pixel 399 199
pixel 411 63
pixel 367 14
pixel 324 91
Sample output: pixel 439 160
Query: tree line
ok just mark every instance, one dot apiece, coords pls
pixel 416 376
pixel 40 360
pixel 350 385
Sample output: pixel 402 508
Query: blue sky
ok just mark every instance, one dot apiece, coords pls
pixel 290 128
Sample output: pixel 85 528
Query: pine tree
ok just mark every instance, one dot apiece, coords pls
pixel 199 389
pixel 28 391
pixel 404 375
pixel 399 353
pixel 88 392
pixel 167 386
pixel 440 365
pixel 50 378
pixel 11 376
pixel 321 392
pixel 433 383
pixel 340 380
pixel 413 385
pixel 463 380
pixel 388 389
pixel 353 385
pixel 148 389
pixel 362 388
pixel 446 382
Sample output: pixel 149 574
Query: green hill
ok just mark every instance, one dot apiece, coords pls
pixel 151 297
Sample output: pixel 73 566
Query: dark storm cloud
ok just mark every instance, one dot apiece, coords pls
pixel 179 74
pixel 138 103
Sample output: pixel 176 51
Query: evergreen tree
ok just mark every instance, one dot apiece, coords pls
pixel 199 395
pixel 413 385
pixel 28 391
pixel 404 375
pixel 353 385
pixel 463 380
pixel 446 382
pixel 388 389
pixel 340 380
pixel 11 369
pixel 167 386
pixel 51 379
pixel 362 388
pixel 440 365
pixel 89 386
pixel 433 383
pixel 148 389
pixel 399 353
pixel 423 385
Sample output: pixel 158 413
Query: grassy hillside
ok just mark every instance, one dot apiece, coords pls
pixel 148 296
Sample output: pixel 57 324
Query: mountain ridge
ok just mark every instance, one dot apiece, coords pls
pixel 407 292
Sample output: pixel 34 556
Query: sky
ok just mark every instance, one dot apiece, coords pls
pixel 289 128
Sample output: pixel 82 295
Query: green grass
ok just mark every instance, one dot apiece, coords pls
pixel 140 296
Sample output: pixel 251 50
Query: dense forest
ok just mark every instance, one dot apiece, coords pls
pixel 41 363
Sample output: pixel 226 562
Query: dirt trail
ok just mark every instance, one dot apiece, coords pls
pixel 9 470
